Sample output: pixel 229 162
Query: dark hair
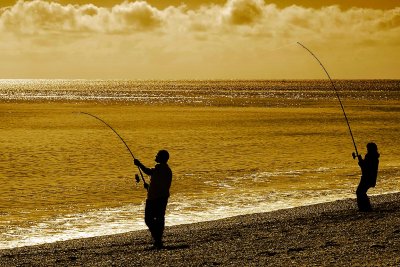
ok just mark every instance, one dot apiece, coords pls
pixel 163 155
pixel 372 149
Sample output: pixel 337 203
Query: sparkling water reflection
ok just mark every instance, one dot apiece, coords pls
pixel 236 147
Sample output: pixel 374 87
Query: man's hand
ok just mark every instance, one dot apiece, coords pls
pixel 137 162
pixel 146 186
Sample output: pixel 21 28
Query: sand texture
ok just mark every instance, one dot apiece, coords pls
pixel 329 234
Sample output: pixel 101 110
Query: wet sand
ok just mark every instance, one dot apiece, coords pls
pixel 329 234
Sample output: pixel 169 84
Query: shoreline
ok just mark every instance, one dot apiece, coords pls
pixel 331 233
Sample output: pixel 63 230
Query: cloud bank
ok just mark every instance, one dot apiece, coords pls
pixel 177 33
pixel 38 16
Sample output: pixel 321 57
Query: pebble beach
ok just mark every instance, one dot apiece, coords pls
pixel 327 234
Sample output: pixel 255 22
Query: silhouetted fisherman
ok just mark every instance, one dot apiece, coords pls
pixel 157 195
pixel 369 173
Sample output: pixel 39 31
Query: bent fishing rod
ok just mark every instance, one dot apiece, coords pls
pixel 337 95
pixel 140 171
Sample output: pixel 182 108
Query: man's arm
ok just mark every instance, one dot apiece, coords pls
pixel 146 170
pixel 360 161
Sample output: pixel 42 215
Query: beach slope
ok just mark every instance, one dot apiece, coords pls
pixel 328 234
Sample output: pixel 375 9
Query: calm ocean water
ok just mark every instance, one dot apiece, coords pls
pixel 236 147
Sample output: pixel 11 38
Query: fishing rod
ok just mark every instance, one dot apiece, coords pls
pixel 140 171
pixel 337 94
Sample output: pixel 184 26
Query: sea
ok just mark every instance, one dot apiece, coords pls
pixel 236 147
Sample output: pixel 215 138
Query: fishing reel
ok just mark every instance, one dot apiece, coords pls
pixel 137 178
pixel 355 155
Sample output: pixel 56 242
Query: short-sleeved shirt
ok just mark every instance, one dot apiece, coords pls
pixel 160 182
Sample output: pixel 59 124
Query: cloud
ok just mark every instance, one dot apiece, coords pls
pixel 39 16
pixel 239 12
pixel 137 15
pixel 32 17
pixel 208 39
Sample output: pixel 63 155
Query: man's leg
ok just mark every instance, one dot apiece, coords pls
pixel 159 223
pixel 362 198
pixel 149 216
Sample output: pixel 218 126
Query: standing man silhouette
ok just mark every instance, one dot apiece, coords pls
pixel 157 195
pixel 369 173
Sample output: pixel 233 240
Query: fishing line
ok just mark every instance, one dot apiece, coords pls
pixel 337 94
pixel 140 171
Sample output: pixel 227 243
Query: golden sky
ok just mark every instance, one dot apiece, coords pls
pixel 178 39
